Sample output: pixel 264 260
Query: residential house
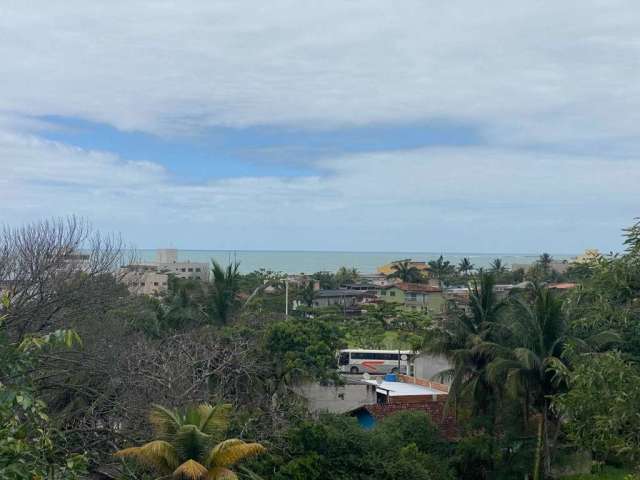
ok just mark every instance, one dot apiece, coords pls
pixel 343 298
pixel 414 296
pixel 401 393
pixel 371 399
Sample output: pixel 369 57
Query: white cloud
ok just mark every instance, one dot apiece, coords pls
pixel 452 199
pixel 562 73
pixel 552 71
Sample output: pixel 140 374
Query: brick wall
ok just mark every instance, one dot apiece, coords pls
pixel 425 383
pixel 446 422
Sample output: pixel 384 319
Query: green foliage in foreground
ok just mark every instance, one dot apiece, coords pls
pixel 30 449
pixel 607 473
pixel 304 348
pixel 404 445
pixel 601 407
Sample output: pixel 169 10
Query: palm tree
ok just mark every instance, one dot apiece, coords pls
pixel 308 293
pixel 464 339
pixel 539 333
pixel 405 271
pixel 465 266
pixel 346 275
pixel 189 444
pixel 224 290
pixel 441 268
pixel 497 266
pixel 545 262
pixel 183 301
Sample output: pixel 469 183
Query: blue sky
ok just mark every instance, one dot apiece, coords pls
pixel 358 126
pixel 222 152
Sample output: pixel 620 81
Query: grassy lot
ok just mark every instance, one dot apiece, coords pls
pixel 607 473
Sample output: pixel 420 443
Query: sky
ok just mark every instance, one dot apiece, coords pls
pixel 352 125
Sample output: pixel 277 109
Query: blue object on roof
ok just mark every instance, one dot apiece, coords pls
pixel 390 377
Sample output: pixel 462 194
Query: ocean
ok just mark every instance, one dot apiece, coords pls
pixel 314 261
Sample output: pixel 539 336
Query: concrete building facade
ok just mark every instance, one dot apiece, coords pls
pixel 152 278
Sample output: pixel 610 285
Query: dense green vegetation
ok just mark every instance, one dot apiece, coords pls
pixel 537 376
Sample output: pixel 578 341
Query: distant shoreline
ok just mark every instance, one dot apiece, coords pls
pixel 314 261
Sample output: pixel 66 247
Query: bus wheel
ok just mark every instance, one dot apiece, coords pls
pixel 354 370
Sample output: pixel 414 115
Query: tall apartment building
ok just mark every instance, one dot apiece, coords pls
pixel 152 278
pixel 167 262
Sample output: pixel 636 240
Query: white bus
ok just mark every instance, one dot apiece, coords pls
pixel 374 361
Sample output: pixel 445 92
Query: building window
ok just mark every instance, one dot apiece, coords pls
pixel 184 269
pixel 155 284
pixel 392 294
pixel 383 293
pixel 197 269
pixel 142 284
pixel 191 269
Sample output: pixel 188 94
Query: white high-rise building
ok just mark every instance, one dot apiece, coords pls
pixel 151 278
pixel 167 255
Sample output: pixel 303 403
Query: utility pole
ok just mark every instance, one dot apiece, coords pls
pixel 286 297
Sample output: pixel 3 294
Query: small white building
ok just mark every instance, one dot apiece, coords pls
pixel 350 396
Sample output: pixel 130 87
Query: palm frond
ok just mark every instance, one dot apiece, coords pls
pixel 214 419
pixel 604 339
pixel 558 369
pixel 191 470
pixel 190 442
pixel 499 368
pixel 444 376
pixel 489 349
pixel 165 422
pixel 158 455
pixel 131 452
pixel 221 473
pixel 231 451
pixel 527 358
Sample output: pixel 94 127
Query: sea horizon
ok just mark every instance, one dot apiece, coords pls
pixel 311 261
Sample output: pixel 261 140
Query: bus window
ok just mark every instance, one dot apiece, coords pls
pixel 344 358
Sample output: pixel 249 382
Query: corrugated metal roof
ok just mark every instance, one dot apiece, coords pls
pixel 402 389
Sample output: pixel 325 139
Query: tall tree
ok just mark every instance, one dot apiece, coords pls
pixel 307 294
pixel 406 272
pixel 190 444
pixel 223 299
pixel 465 266
pixel 346 275
pixel 56 271
pixel 463 337
pixel 184 303
pixel 632 238
pixel 600 409
pixel 545 261
pixel 539 334
pixel 441 268
pixel 497 266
